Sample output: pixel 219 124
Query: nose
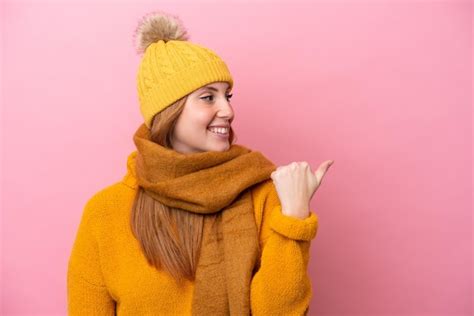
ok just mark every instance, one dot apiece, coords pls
pixel 225 110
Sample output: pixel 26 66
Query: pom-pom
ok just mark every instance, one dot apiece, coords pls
pixel 156 26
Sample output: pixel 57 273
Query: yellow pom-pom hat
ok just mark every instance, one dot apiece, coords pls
pixel 171 66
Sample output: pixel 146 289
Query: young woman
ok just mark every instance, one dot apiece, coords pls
pixel 198 225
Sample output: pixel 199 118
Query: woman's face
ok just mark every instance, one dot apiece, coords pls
pixel 205 107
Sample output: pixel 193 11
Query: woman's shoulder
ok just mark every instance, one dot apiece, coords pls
pixel 107 200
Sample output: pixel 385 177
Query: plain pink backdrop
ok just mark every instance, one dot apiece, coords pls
pixel 383 88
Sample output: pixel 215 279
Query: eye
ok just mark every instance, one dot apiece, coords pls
pixel 210 97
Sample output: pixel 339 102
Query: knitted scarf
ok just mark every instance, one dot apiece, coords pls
pixel 216 185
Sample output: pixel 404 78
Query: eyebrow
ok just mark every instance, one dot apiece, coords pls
pixel 214 89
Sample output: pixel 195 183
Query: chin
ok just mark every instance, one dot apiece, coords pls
pixel 223 147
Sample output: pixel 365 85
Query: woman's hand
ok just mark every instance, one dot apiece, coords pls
pixel 296 184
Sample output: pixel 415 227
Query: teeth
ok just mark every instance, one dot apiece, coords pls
pixel 219 130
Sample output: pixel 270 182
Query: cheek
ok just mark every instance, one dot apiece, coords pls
pixel 196 119
pixel 193 128
pixel 202 119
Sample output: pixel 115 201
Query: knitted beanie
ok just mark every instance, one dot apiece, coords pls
pixel 171 66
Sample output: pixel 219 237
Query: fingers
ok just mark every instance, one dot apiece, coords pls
pixel 323 169
pixel 319 173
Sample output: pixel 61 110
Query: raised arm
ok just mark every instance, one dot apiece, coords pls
pixel 281 285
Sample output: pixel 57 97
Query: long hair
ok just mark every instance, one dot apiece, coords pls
pixel 170 238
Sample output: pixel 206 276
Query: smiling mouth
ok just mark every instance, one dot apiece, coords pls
pixel 220 135
pixel 219 131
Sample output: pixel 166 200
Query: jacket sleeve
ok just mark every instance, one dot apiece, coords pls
pixel 86 291
pixel 281 285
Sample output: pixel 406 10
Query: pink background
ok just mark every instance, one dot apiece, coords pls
pixel 383 88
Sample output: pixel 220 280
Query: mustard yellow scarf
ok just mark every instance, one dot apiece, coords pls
pixel 216 184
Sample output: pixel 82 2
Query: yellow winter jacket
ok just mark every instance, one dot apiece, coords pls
pixel 108 274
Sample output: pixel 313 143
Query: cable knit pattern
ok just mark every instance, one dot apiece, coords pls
pixel 108 274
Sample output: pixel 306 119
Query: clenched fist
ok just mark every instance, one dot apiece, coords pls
pixel 296 184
